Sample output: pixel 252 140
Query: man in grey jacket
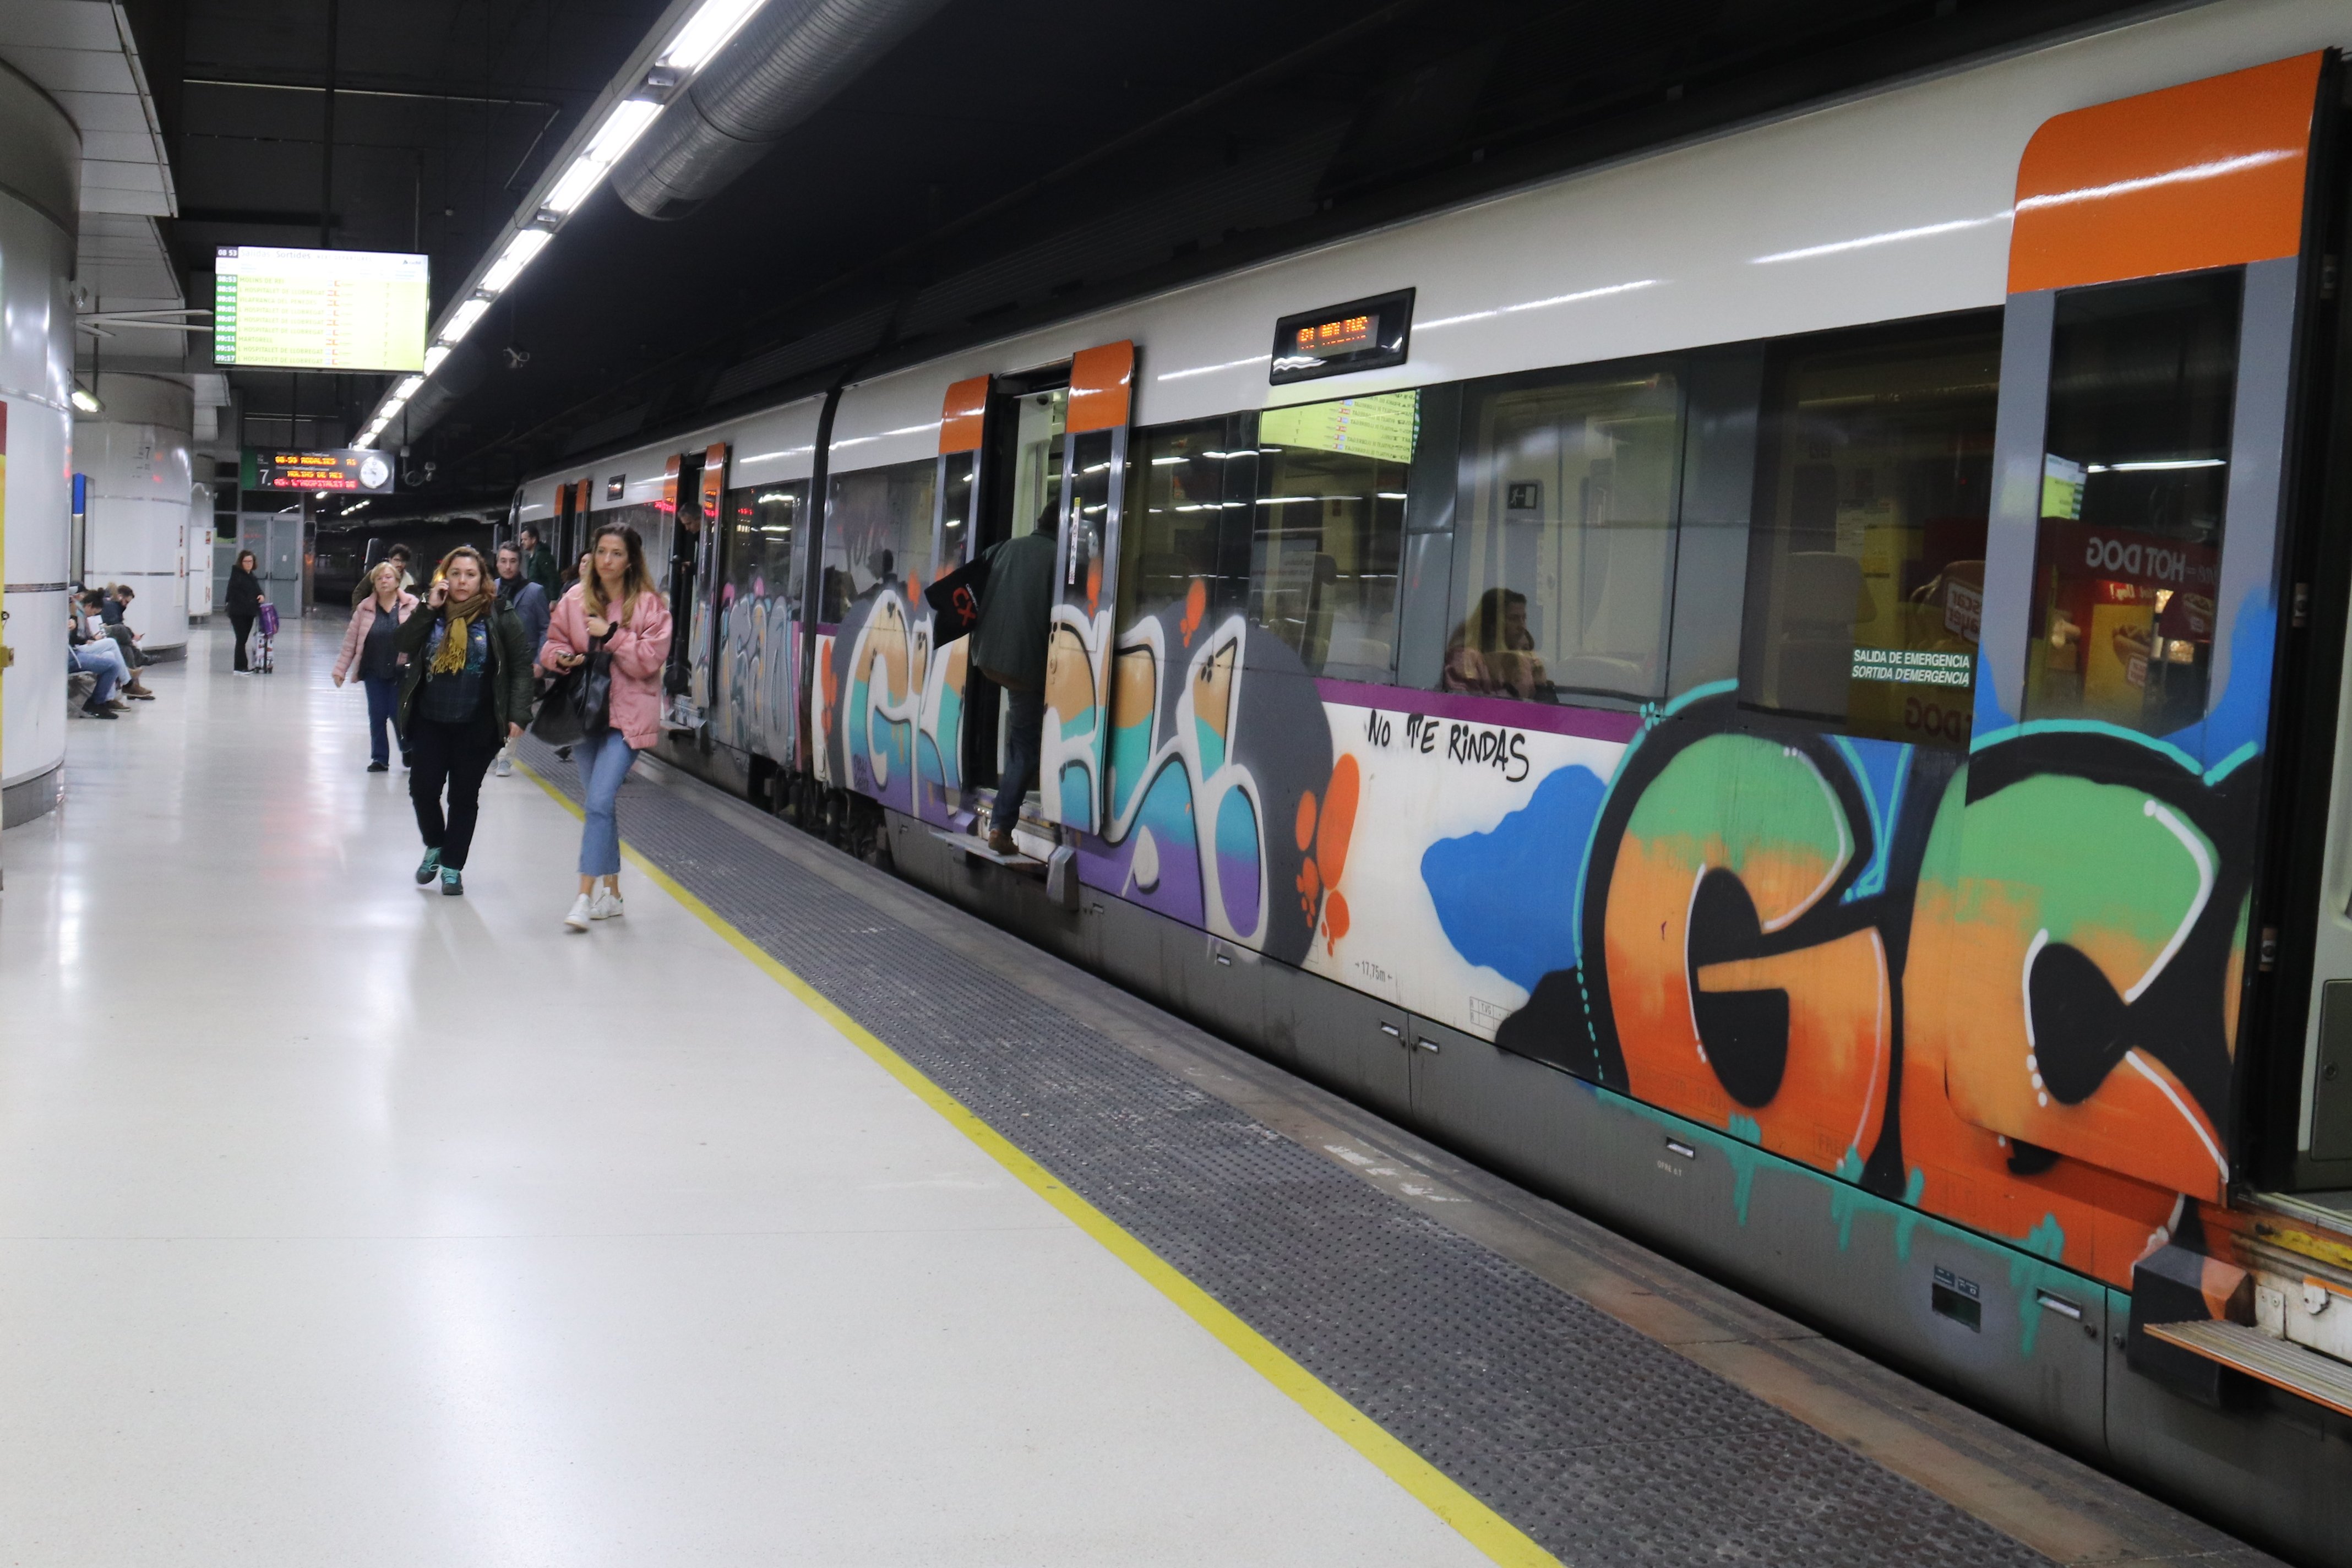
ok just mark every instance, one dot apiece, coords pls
pixel 1017 616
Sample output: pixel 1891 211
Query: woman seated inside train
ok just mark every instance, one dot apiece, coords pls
pixel 1491 653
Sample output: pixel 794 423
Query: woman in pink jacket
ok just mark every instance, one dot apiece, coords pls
pixel 367 642
pixel 613 607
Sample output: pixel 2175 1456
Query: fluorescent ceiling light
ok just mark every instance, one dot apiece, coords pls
pixel 514 258
pixel 461 323
pixel 433 356
pixel 2155 466
pixel 707 32
pixel 87 402
pixel 624 125
pixel 407 387
pixel 367 439
pixel 577 182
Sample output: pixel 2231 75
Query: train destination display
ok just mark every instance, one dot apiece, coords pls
pixel 320 310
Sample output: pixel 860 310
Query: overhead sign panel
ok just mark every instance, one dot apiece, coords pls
pixel 318 468
pixel 320 310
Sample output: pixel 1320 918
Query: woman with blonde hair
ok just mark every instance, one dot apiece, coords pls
pixel 368 644
pixel 613 611
pixel 466 690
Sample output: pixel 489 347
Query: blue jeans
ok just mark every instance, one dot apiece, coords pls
pixel 102 659
pixel 1025 744
pixel 383 704
pixel 603 761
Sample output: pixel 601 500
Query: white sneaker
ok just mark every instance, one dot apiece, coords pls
pixel 606 905
pixel 579 917
pixel 504 766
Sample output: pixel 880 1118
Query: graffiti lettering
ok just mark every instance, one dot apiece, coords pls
pixel 1474 744
pixel 1935 719
pixel 1376 727
pixel 1420 733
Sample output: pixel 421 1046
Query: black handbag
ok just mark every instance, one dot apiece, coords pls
pixel 954 600
pixel 578 704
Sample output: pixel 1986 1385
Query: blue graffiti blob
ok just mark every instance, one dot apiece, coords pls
pixel 2233 730
pixel 1507 897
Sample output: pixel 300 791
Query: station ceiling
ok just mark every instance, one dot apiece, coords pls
pixel 1010 159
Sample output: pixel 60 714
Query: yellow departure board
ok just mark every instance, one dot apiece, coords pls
pixel 320 310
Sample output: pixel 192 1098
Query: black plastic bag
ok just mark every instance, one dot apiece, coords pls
pixel 954 600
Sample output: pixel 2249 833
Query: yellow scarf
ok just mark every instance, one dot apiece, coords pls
pixel 450 658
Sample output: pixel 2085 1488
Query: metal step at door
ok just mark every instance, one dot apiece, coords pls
pixel 2243 1348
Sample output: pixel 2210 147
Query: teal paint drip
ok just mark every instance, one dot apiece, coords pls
pixel 2026 1271
pixel 1908 1220
pixel 1846 1201
pixel 1744 1158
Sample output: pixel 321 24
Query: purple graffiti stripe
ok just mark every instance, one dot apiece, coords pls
pixel 1589 723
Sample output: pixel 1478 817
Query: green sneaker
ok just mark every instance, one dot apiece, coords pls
pixel 427 866
pixel 453 882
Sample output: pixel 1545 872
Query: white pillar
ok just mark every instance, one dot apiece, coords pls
pixel 40 179
pixel 135 454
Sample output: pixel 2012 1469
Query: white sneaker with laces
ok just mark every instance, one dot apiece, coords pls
pixel 579 918
pixel 606 905
pixel 504 766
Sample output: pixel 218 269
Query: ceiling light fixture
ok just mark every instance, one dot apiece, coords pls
pixel 461 323
pixel 86 401
pixel 707 32
pixel 624 125
pixel 433 356
pixel 517 256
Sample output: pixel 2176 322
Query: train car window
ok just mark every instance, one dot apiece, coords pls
pixel 1186 530
pixel 1865 573
pixel 878 530
pixel 1327 535
pixel 1564 551
pixel 2143 379
pixel 750 667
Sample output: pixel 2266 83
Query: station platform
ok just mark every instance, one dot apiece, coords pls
pixel 797 1217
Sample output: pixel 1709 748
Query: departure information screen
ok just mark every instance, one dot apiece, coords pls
pixel 320 310
pixel 331 468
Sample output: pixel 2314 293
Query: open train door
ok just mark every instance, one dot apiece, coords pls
pixel 695 606
pixel 1071 775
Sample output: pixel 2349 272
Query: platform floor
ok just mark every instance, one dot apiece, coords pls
pixel 340 1222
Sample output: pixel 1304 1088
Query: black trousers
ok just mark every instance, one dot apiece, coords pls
pixel 241 623
pixel 456 755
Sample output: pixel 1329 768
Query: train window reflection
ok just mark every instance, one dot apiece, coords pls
pixel 1186 531
pixel 751 666
pixel 1564 566
pixel 2143 377
pixel 878 530
pixel 1865 585
pixel 1328 533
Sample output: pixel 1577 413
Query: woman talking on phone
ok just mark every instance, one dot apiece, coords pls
pixel 615 610
pixel 459 702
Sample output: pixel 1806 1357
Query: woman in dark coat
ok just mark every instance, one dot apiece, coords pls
pixel 245 598
pixel 465 692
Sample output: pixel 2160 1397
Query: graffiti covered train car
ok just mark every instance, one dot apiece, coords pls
pixel 1786 691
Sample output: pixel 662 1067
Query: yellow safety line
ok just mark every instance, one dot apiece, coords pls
pixel 1480 1525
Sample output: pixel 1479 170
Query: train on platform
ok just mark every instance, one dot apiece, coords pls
pixel 1787 690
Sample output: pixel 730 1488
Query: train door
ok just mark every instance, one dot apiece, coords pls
pixel 1019 484
pixel 2094 926
pixel 673 560
pixel 1078 668
pixel 694 603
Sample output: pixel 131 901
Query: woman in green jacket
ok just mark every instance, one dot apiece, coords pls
pixel 459 702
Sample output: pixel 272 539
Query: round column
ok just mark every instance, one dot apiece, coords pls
pixel 40 177
pixel 134 452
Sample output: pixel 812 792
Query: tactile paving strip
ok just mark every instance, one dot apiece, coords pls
pixel 1603 1445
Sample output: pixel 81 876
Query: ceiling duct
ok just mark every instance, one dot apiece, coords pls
pixel 787 60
